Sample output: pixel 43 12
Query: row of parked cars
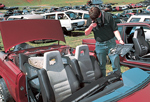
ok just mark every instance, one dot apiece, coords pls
pixel 70 20
pixel 76 19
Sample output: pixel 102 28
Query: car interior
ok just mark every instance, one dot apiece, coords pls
pixel 66 78
pixel 51 76
pixel 141 46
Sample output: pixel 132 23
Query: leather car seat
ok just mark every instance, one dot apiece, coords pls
pixel 62 80
pixel 140 44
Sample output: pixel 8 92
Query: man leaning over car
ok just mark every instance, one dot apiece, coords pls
pixel 105 30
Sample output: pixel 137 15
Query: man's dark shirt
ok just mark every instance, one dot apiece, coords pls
pixel 105 32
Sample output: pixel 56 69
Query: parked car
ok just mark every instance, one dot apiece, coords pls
pixel 69 20
pixel 139 18
pixel 117 8
pixel 129 33
pixel 138 5
pixel 43 74
pixel 124 7
pixel 148 8
pixel 132 5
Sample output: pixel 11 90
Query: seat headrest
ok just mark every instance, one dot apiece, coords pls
pixel 52 60
pixel 138 33
pixel 82 52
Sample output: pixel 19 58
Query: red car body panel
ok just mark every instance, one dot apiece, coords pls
pixel 29 34
pixel 14 79
pixel 90 43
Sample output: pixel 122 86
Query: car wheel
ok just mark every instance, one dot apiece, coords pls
pixel 4 92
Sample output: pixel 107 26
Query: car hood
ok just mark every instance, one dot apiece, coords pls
pixel 19 31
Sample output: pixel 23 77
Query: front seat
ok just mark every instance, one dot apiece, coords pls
pixel 62 80
pixel 141 45
pixel 88 65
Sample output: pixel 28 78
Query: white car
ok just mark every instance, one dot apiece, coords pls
pixel 69 21
pixel 139 18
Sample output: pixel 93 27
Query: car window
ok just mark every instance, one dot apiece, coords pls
pixel 61 16
pixel 147 20
pixel 86 16
pixel 72 15
pixel 80 15
pixel 50 16
pixel 135 20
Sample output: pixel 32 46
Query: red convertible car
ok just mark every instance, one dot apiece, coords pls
pixel 51 73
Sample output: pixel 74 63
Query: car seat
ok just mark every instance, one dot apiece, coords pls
pixel 141 46
pixel 62 80
pixel 88 65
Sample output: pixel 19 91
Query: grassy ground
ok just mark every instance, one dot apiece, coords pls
pixel 59 2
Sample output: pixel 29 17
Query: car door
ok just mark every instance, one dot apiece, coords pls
pixel 129 59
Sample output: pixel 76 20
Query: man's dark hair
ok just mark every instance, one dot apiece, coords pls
pixel 94 13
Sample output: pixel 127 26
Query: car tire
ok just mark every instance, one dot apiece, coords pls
pixel 4 92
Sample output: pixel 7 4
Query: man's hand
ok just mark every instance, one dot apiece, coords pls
pixel 121 42
pixel 89 29
pixel 93 25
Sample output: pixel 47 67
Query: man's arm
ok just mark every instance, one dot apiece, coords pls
pixel 89 29
pixel 117 34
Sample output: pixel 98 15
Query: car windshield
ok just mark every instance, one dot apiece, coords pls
pixel 72 15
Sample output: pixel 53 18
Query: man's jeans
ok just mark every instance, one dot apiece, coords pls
pixel 102 50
